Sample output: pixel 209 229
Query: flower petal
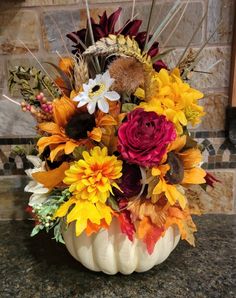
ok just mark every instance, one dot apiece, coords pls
pixel 91 107
pixel 194 176
pixel 103 105
pixel 112 95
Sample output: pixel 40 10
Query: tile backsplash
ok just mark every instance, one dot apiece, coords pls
pixel 40 24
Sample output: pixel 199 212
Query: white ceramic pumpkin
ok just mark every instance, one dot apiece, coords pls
pixel 110 251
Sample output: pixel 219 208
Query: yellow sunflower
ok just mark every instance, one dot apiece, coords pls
pixel 71 128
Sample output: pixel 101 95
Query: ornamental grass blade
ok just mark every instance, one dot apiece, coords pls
pixel 177 24
pixel 149 21
pixel 162 55
pixel 191 39
pixel 163 24
pixel 98 68
pixel 133 7
pixel 195 62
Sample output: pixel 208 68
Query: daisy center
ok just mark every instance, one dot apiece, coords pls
pixel 97 90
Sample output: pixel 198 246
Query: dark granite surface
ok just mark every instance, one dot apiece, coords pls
pixel 38 267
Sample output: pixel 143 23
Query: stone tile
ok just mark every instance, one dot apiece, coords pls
pixel 226 156
pixel 220 11
pixel 216 142
pixel 14 122
pixel 55 26
pixel 214 106
pixel 2 74
pixel 219 199
pixel 13 200
pixel 66 22
pixel 18 25
pixel 185 29
pixel 220 73
pixel 213 59
pixel 29 3
pixel 94 13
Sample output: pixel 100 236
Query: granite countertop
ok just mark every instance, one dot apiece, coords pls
pixel 38 267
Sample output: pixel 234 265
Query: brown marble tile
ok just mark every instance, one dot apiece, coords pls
pixel 14 122
pixel 215 108
pixel 220 11
pixel 219 199
pixel 13 200
pixel 29 3
pixel 181 36
pixel 55 25
pixel 18 25
pixel 215 60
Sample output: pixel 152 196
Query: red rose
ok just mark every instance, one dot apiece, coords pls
pixel 144 136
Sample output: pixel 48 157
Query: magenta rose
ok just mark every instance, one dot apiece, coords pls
pixel 143 138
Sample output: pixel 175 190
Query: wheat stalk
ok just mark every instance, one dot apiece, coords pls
pixel 119 45
pixel 81 74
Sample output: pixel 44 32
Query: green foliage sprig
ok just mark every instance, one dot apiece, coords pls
pixel 44 214
pixel 31 82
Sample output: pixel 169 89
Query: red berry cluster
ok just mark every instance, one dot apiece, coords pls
pixel 41 113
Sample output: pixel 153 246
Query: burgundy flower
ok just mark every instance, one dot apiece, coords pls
pixel 130 182
pixel 106 26
pixel 144 136
pixel 210 179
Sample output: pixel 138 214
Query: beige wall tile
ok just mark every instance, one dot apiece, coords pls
pixel 14 122
pixel 18 25
pixel 215 108
pixel 219 199
pixel 13 200
pixel 220 11
pixel 181 36
pixel 215 60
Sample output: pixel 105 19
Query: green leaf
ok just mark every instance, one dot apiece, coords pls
pixel 204 186
pixel 128 107
pixel 77 153
pixel 161 55
pixel 190 143
pixel 111 201
pixel 36 230
pixel 57 232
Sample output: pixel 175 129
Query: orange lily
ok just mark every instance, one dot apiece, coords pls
pixel 52 178
pixel 191 159
pixel 171 192
pixel 193 174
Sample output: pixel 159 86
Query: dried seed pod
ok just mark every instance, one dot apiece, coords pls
pixel 128 74
pixel 176 172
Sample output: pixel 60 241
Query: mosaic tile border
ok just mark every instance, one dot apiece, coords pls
pixel 218 152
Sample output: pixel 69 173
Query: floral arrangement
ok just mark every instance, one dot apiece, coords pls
pixel 113 136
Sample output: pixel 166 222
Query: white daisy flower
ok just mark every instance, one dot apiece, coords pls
pixel 96 92
pixel 40 193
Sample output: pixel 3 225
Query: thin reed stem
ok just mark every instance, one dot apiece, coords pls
pixel 12 100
